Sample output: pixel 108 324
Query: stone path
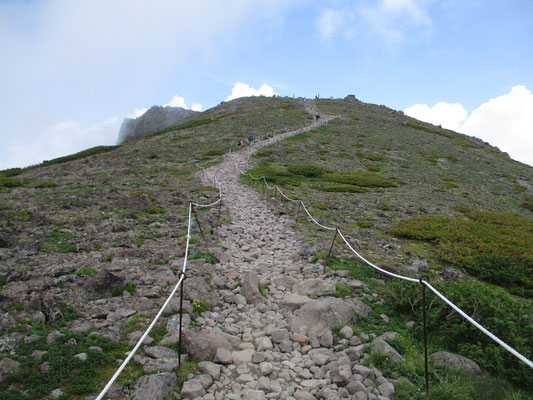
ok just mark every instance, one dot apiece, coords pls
pixel 281 346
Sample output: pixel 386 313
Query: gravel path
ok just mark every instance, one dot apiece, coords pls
pixel 279 354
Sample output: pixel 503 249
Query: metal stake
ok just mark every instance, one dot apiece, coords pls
pixel 425 334
pixel 298 212
pixel 181 318
pixel 331 247
pixel 200 226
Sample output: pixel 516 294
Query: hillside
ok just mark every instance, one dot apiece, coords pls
pixel 91 247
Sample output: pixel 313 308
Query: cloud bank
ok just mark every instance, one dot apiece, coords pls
pixel 243 90
pixel 505 121
pixel 387 21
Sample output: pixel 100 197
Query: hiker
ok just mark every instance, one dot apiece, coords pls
pixel 251 140
pixel 241 143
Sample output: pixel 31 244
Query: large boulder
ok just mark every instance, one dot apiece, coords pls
pixel 250 288
pixel 314 287
pixel 198 289
pixel 203 345
pixel 456 361
pixel 103 283
pixel 154 387
pixel 318 316
pixel 379 345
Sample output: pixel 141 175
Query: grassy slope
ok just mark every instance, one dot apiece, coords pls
pixel 124 207
pixel 437 172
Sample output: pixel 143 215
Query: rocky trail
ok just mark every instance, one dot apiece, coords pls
pixel 278 346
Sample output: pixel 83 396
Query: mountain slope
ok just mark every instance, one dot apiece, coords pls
pixel 66 224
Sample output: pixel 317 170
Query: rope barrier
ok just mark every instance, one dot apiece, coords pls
pixel 476 324
pixel 176 287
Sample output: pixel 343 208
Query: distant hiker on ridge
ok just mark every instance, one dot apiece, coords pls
pixel 251 140
pixel 241 143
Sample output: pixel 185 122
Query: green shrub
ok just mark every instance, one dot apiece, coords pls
pixel 60 242
pixel 155 210
pixel 208 257
pixel 44 185
pixel 86 271
pixel 129 287
pixel 306 170
pixel 342 291
pixel 82 154
pixel 216 152
pixel 496 247
pixel 528 203
pixel 360 178
pixel 200 306
pixel 9 182
pixel 504 315
pixel 8 173
pixel 340 188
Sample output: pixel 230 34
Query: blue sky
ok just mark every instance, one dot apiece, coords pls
pixel 72 70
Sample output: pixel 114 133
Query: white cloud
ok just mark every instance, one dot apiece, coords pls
pixel 243 90
pixel 83 60
pixel 505 121
pixel 178 101
pixel 450 116
pixel 330 22
pixel 61 139
pixel 388 21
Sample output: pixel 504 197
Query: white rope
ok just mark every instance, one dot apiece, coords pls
pixel 264 180
pixel 405 278
pixel 280 192
pixel 314 220
pixel 141 340
pixel 479 326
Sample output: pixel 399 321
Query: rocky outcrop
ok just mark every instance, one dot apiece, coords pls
pixel 455 361
pixel 153 120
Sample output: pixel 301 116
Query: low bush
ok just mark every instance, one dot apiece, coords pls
pixel 504 315
pixel 360 178
pixel 60 242
pixel 340 188
pixel 307 170
pixel 496 247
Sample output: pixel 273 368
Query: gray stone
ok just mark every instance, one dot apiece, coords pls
pixel 53 336
pixel 8 366
pixel 242 356
pixel 239 299
pixel 321 356
pixel 300 395
pixel 341 376
pixel 153 387
pixel 380 346
pixel 456 361
pixel 81 356
pixel 386 389
pixel 160 352
pixel 250 288
pixel 192 389
pixel 203 345
pixel 206 380
pixel 197 289
pixel 161 365
pixel 263 344
pixel 346 332
pixel 318 315
pixel 223 356
pixel 279 335
pixel 265 368
pixel 326 340
pixel 314 287
pixel 361 395
pixel 208 367
pixel 355 386
pixel 293 301
pixel 56 393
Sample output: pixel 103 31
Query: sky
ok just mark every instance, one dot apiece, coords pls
pixel 71 71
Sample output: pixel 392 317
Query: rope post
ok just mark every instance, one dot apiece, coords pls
pixel 182 289
pixel 200 226
pixel 219 210
pixel 425 333
pixel 298 212
pixel 331 247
